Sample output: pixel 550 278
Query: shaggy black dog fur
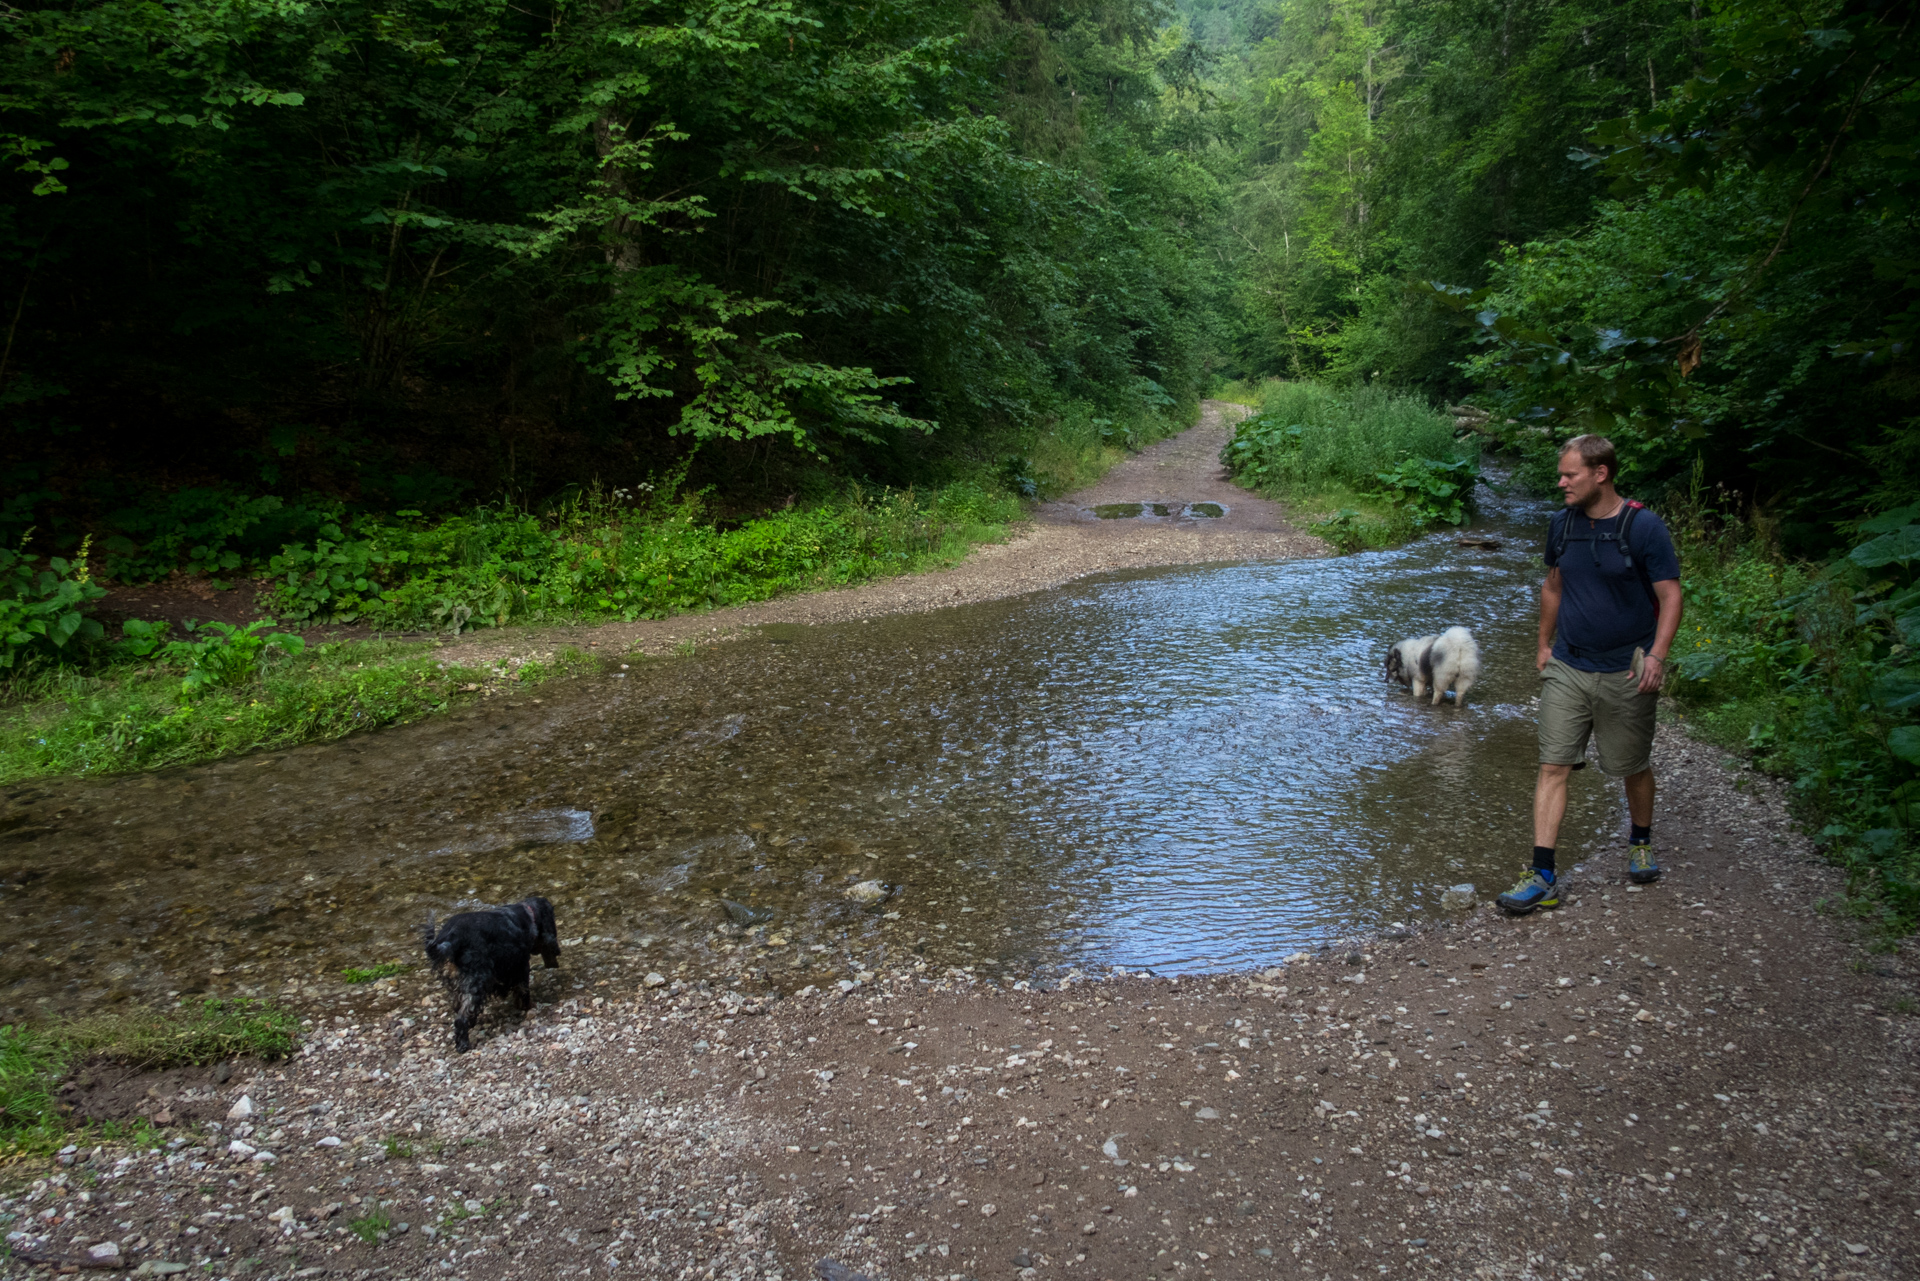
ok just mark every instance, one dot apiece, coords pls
pixel 483 954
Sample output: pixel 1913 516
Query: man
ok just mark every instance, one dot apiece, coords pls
pixel 1609 611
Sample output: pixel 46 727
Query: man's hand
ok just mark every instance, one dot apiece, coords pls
pixel 1544 657
pixel 1653 672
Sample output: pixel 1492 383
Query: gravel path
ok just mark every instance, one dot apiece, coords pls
pixel 1062 542
pixel 1704 1078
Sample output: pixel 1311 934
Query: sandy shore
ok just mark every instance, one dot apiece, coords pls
pixel 1704 1078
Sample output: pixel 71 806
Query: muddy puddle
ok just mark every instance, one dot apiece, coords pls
pixel 1186 770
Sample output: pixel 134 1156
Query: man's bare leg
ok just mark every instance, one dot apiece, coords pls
pixel 1550 802
pixel 1639 798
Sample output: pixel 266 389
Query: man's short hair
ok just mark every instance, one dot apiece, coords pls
pixel 1594 451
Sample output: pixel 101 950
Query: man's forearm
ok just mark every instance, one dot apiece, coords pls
pixel 1672 606
pixel 1549 609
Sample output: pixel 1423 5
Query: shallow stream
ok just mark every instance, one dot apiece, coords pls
pixel 1189 769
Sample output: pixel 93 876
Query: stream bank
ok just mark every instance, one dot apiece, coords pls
pixel 1698 1078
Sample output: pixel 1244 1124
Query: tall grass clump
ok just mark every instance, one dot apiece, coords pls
pixel 127 716
pixel 1367 464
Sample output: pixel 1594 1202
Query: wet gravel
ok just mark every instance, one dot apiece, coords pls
pixel 1707 1077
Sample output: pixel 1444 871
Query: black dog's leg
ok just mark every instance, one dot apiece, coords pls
pixel 463 1020
pixel 520 985
pixel 551 958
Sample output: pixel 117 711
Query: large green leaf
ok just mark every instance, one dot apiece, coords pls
pixel 1901 547
pixel 1905 743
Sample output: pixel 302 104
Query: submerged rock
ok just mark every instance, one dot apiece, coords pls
pixel 741 914
pixel 1457 896
pixel 871 892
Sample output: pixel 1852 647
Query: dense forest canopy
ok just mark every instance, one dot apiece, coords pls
pixel 423 254
pixel 409 251
pixel 1688 225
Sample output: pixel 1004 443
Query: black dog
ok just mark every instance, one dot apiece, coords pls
pixel 483 954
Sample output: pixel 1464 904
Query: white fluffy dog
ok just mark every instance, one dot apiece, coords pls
pixel 1450 660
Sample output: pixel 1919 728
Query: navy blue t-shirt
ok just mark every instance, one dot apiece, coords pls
pixel 1606 611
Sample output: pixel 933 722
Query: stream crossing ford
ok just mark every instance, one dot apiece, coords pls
pixel 1186 770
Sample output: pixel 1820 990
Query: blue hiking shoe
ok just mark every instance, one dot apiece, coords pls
pixel 1641 869
pixel 1534 890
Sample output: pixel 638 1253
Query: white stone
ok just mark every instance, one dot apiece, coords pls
pixel 870 892
pixel 331 1141
pixel 241 1110
pixel 240 1148
pixel 655 979
pixel 107 1252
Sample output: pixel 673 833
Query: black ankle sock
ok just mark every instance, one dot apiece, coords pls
pixel 1543 859
pixel 1641 835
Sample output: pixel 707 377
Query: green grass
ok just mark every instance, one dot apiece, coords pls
pixel 1320 449
pixel 35 1059
pixel 1079 445
pixel 369 1226
pixel 373 973
pixel 124 718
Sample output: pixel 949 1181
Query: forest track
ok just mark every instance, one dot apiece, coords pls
pixel 1062 542
pixel 1705 1077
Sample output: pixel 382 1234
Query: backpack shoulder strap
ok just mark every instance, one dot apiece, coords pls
pixel 1557 533
pixel 1632 509
pixel 1626 550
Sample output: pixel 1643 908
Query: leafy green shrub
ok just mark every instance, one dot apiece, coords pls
pixel 1319 445
pixel 1812 670
pixel 1432 491
pixel 192 530
pixel 226 656
pixel 41 611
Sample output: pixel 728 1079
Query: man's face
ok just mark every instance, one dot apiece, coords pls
pixel 1579 482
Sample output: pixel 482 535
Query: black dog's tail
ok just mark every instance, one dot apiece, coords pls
pixel 436 951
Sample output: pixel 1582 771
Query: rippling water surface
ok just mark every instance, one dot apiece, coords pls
pixel 1189 770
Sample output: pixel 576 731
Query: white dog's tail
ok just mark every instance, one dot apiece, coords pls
pixel 1456 664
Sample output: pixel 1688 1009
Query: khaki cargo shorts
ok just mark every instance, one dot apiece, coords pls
pixel 1608 706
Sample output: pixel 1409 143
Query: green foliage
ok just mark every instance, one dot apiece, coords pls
pixel 1315 445
pixel 34 1060
pixel 1811 670
pixel 1751 298
pixel 130 718
pixel 226 656
pixel 1431 490
pixel 370 1226
pixel 862 241
pixel 31 1066
pixel 601 554
pixel 373 973
pixel 40 612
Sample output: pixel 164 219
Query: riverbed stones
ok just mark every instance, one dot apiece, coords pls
pixel 868 893
pixel 1457 897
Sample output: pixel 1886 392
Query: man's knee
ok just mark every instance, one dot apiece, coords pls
pixel 1555 773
